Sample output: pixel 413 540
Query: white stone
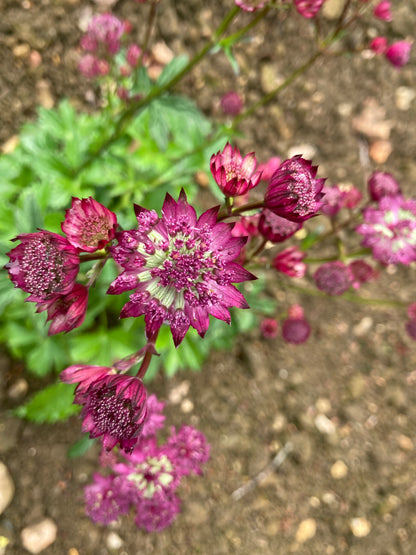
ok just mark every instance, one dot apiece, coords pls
pixel 360 527
pixel 114 541
pixel 339 470
pixel 39 536
pixel 6 487
pixel 404 98
pixel 325 425
pixel 306 530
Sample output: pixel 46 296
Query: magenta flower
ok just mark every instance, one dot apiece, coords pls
pixel 351 197
pixel 234 174
pixel 293 192
pixel 411 311
pixel 275 228
pixel 105 499
pixel 133 55
pixel 398 53
pixel 90 66
pixel 382 184
pixel 361 272
pixel 332 201
pixel 155 418
pixel 290 262
pixel 104 32
pixel 269 328
pixel 231 103
pixel 88 225
pixel 155 514
pixel 379 45
pixel 383 11
pixel 44 265
pixel 181 268
pixel 66 312
pixel 190 450
pixel 251 5
pixel 85 375
pixel 295 328
pixel 269 168
pixel 334 278
pixel 114 406
pixel 308 8
pixel 390 230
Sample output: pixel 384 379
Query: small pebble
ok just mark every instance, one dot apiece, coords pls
pixel 404 98
pixel 306 530
pixel 6 487
pixel 325 425
pixel 363 327
pixel 39 536
pixel 405 443
pixel 114 541
pixel 339 470
pixel 360 527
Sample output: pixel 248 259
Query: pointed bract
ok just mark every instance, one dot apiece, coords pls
pixel 234 174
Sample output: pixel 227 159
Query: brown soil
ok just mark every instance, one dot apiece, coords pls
pixel 355 375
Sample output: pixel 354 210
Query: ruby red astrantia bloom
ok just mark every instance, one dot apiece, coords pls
pixel 398 53
pixel 275 228
pixel 44 264
pixel 66 312
pixel 89 226
pixel 290 262
pixel 293 192
pixel 382 184
pixel 114 407
pixel 180 267
pixel 308 8
pixel 234 174
pixel 334 278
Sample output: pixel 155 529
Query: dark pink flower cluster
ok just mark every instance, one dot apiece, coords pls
pixel 46 264
pixel 147 478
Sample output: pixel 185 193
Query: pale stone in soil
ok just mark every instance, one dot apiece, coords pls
pixel 360 527
pixel 39 536
pixel 6 487
pixel 306 530
pixel 339 470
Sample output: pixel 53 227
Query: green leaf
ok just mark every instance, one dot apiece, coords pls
pixel 52 404
pixel 172 69
pixel 80 447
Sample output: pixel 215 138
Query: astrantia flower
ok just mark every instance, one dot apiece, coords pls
pixel 180 267
pixel 90 66
pixel 114 407
pixel 66 312
pixel 351 197
pixel 332 201
pixel 88 225
pixel 275 228
pixel 104 31
pixel 308 8
pixel 383 10
pixel 268 169
pixel 290 262
pixel 251 5
pixel 334 278
pixel 361 272
pixel 398 53
pixel 269 328
pixel 293 192
pixel 105 499
pixel 157 513
pixel 296 329
pixel 155 419
pixel 44 265
pixel 190 450
pixel 85 375
pixel 382 184
pixel 234 174
pixel 231 103
pixel 390 230
pixel 379 45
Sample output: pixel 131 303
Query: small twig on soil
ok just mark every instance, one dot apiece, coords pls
pixel 277 461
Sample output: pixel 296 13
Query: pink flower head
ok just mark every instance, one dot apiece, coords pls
pixel 269 168
pixel 66 312
pixel 88 225
pixel 104 32
pixel 251 5
pixel 308 8
pixel 190 450
pixel 295 328
pixel 133 55
pixel 398 53
pixel 351 197
pixel 332 201
pixel 390 230
pixel 181 268
pixel 382 184
pixel 234 174
pixel 155 514
pixel 379 45
pixel 275 228
pixel 269 328
pixel 383 11
pixel 293 192
pixel 290 262
pixel 334 278
pixel 114 407
pixel 231 104
pixel 85 375
pixel 91 67
pixel 44 265
pixel 361 272
pixel 105 499
pixel 155 418
pixel 411 311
